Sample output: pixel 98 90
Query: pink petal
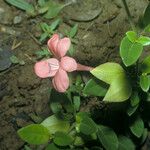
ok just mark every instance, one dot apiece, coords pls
pixel 63 46
pixel 46 68
pixel 61 81
pixel 68 64
pixel 52 44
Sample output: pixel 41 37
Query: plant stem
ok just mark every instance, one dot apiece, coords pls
pixel 129 15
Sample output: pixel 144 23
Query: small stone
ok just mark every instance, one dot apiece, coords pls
pixel 17 20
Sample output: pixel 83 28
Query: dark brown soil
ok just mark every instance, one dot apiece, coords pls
pixel 22 94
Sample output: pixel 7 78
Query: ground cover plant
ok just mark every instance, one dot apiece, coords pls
pixel 119 117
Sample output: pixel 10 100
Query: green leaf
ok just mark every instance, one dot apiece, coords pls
pixel 76 102
pixel 27 147
pixel 87 126
pixel 16 60
pixel 108 138
pixel 145 66
pixel 131 110
pixel 137 127
pixel 62 139
pixel 53 9
pixel 143 40
pixel 54 124
pixel 34 134
pixel 114 74
pixel 125 143
pixel 22 4
pixel 43 37
pixel 147 28
pixel 146 18
pixel 52 146
pixel 132 36
pixel 130 52
pixel 134 100
pixel 54 24
pixel 73 31
pixel 144 82
pixel 95 88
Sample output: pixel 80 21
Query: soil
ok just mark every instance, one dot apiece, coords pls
pixel 22 94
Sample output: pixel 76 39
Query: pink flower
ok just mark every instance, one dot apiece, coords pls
pixel 59 66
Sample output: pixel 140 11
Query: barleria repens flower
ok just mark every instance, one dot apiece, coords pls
pixel 58 66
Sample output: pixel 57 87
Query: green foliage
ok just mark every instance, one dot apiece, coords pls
pixel 145 82
pixel 52 146
pixel 137 127
pixel 55 124
pixel 95 88
pixel 108 138
pixel 113 74
pixel 125 143
pixel 16 60
pixel 145 41
pixel 76 102
pixel 145 66
pixel 62 139
pixel 34 134
pixel 43 53
pixel 22 4
pixel 130 52
pixel 132 36
pixel 146 18
pixel 73 31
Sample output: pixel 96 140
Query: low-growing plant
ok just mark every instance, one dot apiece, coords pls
pixel 125 85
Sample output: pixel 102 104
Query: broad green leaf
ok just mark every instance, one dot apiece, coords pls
pixel 62 139
pixel 114 74
pixel 125 143
pixel 95 88
pixel 76 102
pixel 22 4
pixel 41 3
pixel 108 138
pixel 143 40
pixel 137 127
pixel 87 126
pixel 54 24
pixel 53 124
pixel 132 36
pixel 130 52
pixel 51 146
pixel 146 18
pixel 145 66
pixel 145 82
pixel 73 31
pixel 34 134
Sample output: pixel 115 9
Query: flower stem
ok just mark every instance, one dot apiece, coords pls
pixel 129 15
pixel 83 68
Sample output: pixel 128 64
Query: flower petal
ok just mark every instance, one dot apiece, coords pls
pixel 52 44
pixel 61 81
pixel 46 68
pixel 68 64
pixel 63 46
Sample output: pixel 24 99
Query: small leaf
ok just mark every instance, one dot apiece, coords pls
pixel 132 36
pixel 114 74
pixel 95 88
pixel 22 4
pixel 52 146
pixel 137 127
pixel 108 138
pixel 54 124
pixel 87 126
pixel 43 37
pixel 146 18
pixel 147 28
pixel 145 66
pixel 130 52
pixel 54 24
pixel 131 110
pixel 34 134
pixel 143 40
pixel 62 139
pixel 73 31
pixel 134 100
pixel 145 82
pixel 53 9
pixel 27 147
pixel 125 143
pixel 76 101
